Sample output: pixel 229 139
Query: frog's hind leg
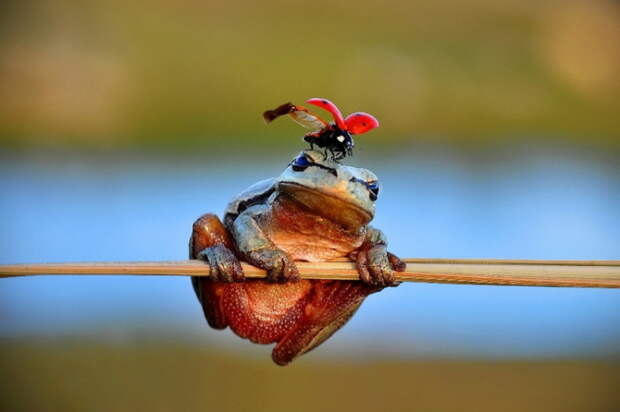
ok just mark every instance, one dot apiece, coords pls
pixel 332 304
pixel 208 233
pixel 255 309
pixel 264 312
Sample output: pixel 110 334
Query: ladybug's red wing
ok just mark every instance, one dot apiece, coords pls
pixel 360 122
pixel 330 107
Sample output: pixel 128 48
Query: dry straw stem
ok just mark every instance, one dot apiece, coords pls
pixel 604 274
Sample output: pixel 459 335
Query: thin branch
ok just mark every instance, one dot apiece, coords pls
pixel 605 274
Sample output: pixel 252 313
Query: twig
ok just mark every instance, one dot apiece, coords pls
pixel 605 274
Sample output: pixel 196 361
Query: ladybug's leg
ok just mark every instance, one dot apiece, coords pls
pixel 311 138
pixel 337 154
pixel 212 242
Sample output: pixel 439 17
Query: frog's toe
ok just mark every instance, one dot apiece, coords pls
pixel 361 262
pixel 374 266
pixel 397 264
pixel 275 272
pixel 283 270
pixel 224 265
pixel 279 266
pixel 290 273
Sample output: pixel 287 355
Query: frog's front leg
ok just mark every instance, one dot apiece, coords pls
pixel 211 242
pixel 374 263
pixel 257 249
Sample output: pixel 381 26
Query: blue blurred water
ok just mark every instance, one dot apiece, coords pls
pixel 511 202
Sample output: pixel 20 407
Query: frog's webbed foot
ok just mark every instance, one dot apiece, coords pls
pixel 278 264
pixel 224 265
pixel 376 266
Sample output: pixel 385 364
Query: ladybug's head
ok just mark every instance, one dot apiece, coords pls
pixel 343 143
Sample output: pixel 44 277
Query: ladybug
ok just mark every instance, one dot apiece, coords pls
pixel 335 137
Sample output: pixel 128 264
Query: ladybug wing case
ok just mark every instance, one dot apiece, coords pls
pixel 360 122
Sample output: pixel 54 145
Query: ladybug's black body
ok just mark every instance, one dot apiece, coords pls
pixel 336 141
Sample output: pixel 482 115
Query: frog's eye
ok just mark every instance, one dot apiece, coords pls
pixel 300 163
pixel 373 188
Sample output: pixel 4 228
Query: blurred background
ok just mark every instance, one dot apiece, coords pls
pixel 121 122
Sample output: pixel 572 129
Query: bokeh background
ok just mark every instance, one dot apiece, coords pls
pixel 121 122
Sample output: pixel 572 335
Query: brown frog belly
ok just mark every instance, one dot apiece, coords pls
pixel 308 237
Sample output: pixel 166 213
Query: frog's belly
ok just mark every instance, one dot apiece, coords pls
pixel 306 236
pixel 313 248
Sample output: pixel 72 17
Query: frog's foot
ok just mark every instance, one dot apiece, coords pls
pixel 278 264
pixel 376 265
pixel 328 307
pixel 224 265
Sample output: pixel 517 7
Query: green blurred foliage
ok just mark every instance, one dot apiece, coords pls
pixel 180 74
pixel 65 375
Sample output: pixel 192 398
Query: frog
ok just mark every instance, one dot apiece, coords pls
pixel 318 209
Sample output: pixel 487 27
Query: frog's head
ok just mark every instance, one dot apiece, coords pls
pixel 340 193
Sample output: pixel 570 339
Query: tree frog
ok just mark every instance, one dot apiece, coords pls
pixel 316 210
